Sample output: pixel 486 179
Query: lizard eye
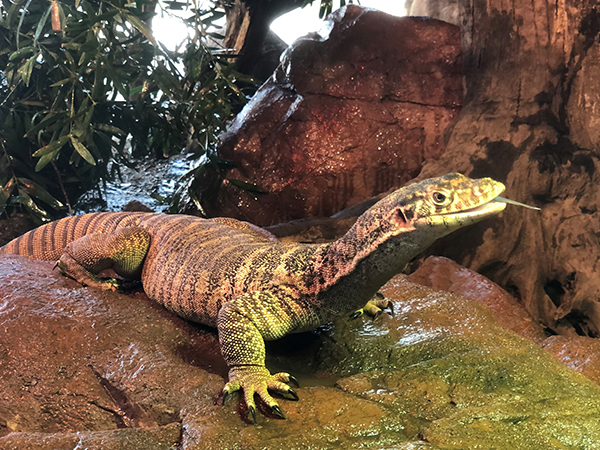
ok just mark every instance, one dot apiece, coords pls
pixel 439 198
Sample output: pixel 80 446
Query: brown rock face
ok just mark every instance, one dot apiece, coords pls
pixel 579 353
pixel 444 274
pixel 347 115
pixel 80 368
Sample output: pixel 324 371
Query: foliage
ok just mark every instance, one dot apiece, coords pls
pixel 326 6
pixel 79 78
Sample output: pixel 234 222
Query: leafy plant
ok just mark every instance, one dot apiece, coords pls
pixel 80 78
pixel 326 6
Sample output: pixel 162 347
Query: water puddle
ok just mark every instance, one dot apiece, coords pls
pixel 152 182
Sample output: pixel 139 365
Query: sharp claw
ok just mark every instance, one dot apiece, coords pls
pixel 391 308
pixel 278 412
pixel 253 413
pixel 356 314
pixel 225 395
pixel 293 394
pixel 379 295
pixel 293 380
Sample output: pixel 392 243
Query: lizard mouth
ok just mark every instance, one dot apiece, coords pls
pixel 494 206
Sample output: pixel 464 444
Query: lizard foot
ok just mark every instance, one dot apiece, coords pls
pixel 258 380
pixel 86 278
pixel 374 307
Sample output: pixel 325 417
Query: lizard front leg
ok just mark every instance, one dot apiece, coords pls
pixel 244 324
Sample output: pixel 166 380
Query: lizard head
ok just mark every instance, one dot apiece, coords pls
pixel 432 208
pixel 450 202
pixel 403 224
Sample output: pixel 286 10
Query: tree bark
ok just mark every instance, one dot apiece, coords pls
pixel 249 33
pixel 531 120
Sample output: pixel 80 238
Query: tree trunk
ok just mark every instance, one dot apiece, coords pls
pixel 248 32
pixel 531 120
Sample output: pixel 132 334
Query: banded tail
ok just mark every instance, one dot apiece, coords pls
pixel 47 242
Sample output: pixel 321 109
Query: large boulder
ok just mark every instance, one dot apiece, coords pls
pixel 580 353
pixel 349 113
pixel 446 275
pixel 80 368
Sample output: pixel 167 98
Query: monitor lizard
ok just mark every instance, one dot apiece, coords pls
pixel 240 279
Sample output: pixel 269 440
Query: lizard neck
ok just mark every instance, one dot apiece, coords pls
pixel 364 259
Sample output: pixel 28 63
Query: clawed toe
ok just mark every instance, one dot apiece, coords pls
pixel 277 411
pixel 293 394
pixel 375 307
pixel 356 314
pixel 293 380
pixel 224 397
pixel 257 380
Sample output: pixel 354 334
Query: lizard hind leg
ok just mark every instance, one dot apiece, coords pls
pixel 123 251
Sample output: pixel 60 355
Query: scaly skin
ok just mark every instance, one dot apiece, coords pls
pixel 240 279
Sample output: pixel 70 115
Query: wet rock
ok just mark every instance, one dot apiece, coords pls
pixel 162 438
pixel 446 275
pixel 467 381
pixel 76 359
pixel 348 114
pixel 104 370
pixel 580 353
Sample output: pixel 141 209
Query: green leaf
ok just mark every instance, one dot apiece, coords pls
pixel 72 46
pixel 28 202
pixel 116 80
pixel 41 24
pixel 136 90
pixel 45 159
pixel 37 191
pixel 23 12
pixel 84 152
pixel 86 111
pixel 53 146
pixel 32 103
pixel 26 70
pixel 48 120
pixel 20 53
pixel 110 129
pixel 325 9
pixel 6 190
pixel 61 82
pixel 140 26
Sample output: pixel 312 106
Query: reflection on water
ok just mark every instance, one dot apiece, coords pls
pixel 152 183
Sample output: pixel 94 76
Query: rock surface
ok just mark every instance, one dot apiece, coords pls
pixel 446 275
pixel 101 370
pixel 348 114
pixel 579 353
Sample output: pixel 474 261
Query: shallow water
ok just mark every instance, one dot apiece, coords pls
pixel 152 183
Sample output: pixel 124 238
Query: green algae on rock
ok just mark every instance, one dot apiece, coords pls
pixel 472 382
pixel 78 365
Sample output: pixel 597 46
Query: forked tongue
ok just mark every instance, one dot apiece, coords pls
pixel 513 202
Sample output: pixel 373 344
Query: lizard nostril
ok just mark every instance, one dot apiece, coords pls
pixel 401 215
